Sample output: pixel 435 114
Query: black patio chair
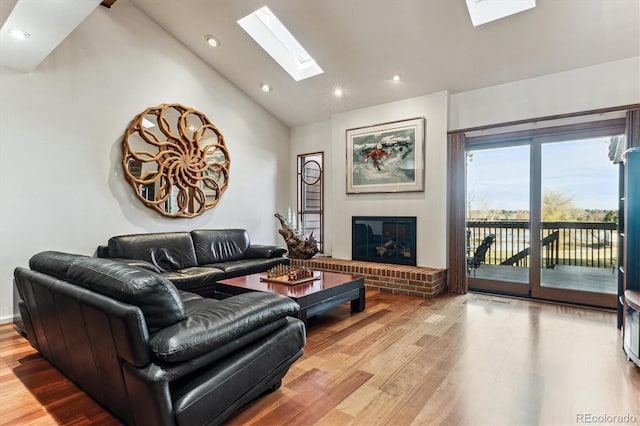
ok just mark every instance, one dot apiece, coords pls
pixel 478 258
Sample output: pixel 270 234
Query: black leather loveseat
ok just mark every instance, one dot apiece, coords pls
pixel 194 261
pixel 152 354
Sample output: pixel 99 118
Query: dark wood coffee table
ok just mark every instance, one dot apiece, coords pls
pixel 330 290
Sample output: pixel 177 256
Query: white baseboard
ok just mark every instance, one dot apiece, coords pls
pixel 6 319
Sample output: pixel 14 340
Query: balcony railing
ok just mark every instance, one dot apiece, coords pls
pixel 592 244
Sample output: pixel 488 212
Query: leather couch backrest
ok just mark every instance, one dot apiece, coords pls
pixel 167 251
pixel 85 335
pixel 54 263
pixel 91 317
pixel 220 245
pixel 155 295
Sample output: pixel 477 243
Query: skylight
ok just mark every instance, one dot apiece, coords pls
pixel 483 11
pixel 267 30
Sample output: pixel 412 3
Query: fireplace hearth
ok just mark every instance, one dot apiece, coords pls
pixel 384 239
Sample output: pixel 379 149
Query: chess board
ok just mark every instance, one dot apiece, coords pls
pixel 284 279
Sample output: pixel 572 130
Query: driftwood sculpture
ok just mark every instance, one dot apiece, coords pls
pixel 299 246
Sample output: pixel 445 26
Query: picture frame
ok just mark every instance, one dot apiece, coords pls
pixel 386 157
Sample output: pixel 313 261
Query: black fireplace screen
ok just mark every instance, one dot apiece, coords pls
pixel 386 239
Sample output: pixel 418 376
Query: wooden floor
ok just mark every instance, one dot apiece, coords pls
pixel 458 359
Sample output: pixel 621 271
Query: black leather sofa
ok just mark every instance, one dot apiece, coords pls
pixel 194 261
pixel 149 353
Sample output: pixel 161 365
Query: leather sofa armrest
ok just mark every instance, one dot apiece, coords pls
pixel 211 324
pixel 139 263
pixel 264 252
pixel 102 251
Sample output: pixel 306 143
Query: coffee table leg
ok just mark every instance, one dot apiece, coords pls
pixel 357 305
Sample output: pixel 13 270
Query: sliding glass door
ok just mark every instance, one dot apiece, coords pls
pixel 498 216
pixel 542 213
pixel 579 212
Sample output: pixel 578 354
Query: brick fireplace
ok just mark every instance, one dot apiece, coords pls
pixel 384 253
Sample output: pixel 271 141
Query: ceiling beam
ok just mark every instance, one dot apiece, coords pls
pixel 108 3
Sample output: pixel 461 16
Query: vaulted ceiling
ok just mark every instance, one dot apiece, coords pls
pixel 432 44
pixel 361 44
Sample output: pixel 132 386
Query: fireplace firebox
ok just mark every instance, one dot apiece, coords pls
pixel 385 239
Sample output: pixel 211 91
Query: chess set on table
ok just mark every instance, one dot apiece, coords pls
pixel 283 274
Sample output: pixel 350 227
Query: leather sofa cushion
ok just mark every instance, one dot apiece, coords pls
pixel 195 278
pixel 156 296
pixel 54 263
pixel 220 245
pixel 137 262
pixel 219 386
pixel 247 266
pixel 167 251
pixel 212 323
pixel 264 252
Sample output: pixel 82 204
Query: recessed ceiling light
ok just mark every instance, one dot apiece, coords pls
pixel 338 92
pixel 19 34
pixel 267 30
pixel 265 87
pixel 212 41
pixel 396 77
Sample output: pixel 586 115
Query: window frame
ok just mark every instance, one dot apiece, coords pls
pixel 302 210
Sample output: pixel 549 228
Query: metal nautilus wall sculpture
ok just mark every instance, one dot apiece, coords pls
pixel 175 160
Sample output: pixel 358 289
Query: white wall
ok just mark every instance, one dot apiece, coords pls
pixel 429 206
pixel 601 86
pixel 61 183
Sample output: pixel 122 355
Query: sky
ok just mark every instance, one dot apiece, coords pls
pixel 499 178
